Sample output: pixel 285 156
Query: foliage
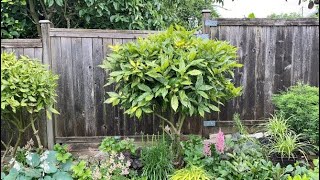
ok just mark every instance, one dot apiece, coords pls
pixel 26 84
pixel 20 18
pixel 193 150
pixel 172 69
pixel 81 171
pixel 251 16
pixel 300 103
pixel 62 154
pixel 276 126
pixel 241 166
pixel 292 15
pixel 13 22
pixel 111 144
pixel 114 168
pixel 191 173
pixel 27 89
pixel 157 162
pixel 290 145
pixel 44 166
pixel 301 172
pixel 238 124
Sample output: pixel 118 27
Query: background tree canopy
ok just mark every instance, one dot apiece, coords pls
pixel 20 18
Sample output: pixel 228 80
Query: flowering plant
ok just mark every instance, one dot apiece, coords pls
pixel 115 166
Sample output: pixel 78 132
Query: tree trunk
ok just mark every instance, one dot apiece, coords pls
pixel 34 16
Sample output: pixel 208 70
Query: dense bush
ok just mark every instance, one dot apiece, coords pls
pixel 174 72
pixel 27 89
pixel 300 105
pixel 111 144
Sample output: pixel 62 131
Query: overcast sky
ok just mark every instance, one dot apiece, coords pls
pixel 262 8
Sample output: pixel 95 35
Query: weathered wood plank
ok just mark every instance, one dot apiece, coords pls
pixel 108 109
pixel 314 71
pixel 58 67
pixel 67 96
pixel 89 96
pixel 28 52
pixel 269 70
pixel 21 43
pixel 99 81
pixel 78 86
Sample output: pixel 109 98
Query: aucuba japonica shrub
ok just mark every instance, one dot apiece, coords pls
pixel 172 71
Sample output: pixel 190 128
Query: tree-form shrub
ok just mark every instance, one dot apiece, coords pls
pixel 174 72
pixel 27 89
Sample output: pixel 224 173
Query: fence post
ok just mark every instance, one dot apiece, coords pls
pixel 46 59
pixel 205 16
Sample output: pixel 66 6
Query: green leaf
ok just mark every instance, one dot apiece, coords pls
pixel 33 173
pixel 203 94
pixel 62 176
pixel 139 113
pixel 213 107
pixel 205 87
pixel 194 72
pixel 59 2
pixel 144 87
pixel 33 159
pixel 174 102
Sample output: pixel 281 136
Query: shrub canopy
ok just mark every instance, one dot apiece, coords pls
pixel 300 104
pixel 172 70
pixel 26 83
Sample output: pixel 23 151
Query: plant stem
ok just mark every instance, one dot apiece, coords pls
pixel 35 131
pixel 17 143
pixel 166 120
pixel 7 146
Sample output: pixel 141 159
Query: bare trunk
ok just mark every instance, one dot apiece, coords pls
pixel 34 16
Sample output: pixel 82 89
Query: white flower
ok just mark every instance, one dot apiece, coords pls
pixel 44 156
pixel 45 166
pixel 29 156
pixel 17 166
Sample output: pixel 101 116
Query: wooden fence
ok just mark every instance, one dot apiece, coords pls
pixel 275 54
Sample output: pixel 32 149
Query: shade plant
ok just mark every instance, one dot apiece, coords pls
pixel 27 90
pixel 172 74
pixel 300 105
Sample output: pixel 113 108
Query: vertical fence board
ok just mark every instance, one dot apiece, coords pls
pixel 78 86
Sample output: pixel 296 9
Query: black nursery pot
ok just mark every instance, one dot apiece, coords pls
pixel 285 161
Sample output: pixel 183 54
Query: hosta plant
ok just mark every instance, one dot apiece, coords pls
pixel 27 89
pixel 44 166
pixel 173 72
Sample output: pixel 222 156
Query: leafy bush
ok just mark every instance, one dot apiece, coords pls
pixel 191 173
pixel 157 162
pixel 81 171
pixel 111 144
pixel 174 72
pixel 300 105
pixel 241 166
pixel 44 166
pixel 27 88
pixel 193 150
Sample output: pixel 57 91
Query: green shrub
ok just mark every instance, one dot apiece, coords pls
pixel 27 89
pixel 191 173
pixel 157 162
pixel 193 150
pixel 111 144
pixel 300 105
pixel 174 72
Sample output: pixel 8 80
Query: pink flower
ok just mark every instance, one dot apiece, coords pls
pixel 206 148
pixel 125 171
pixel 220 142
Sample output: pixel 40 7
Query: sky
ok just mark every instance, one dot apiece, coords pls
pixel 262 8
